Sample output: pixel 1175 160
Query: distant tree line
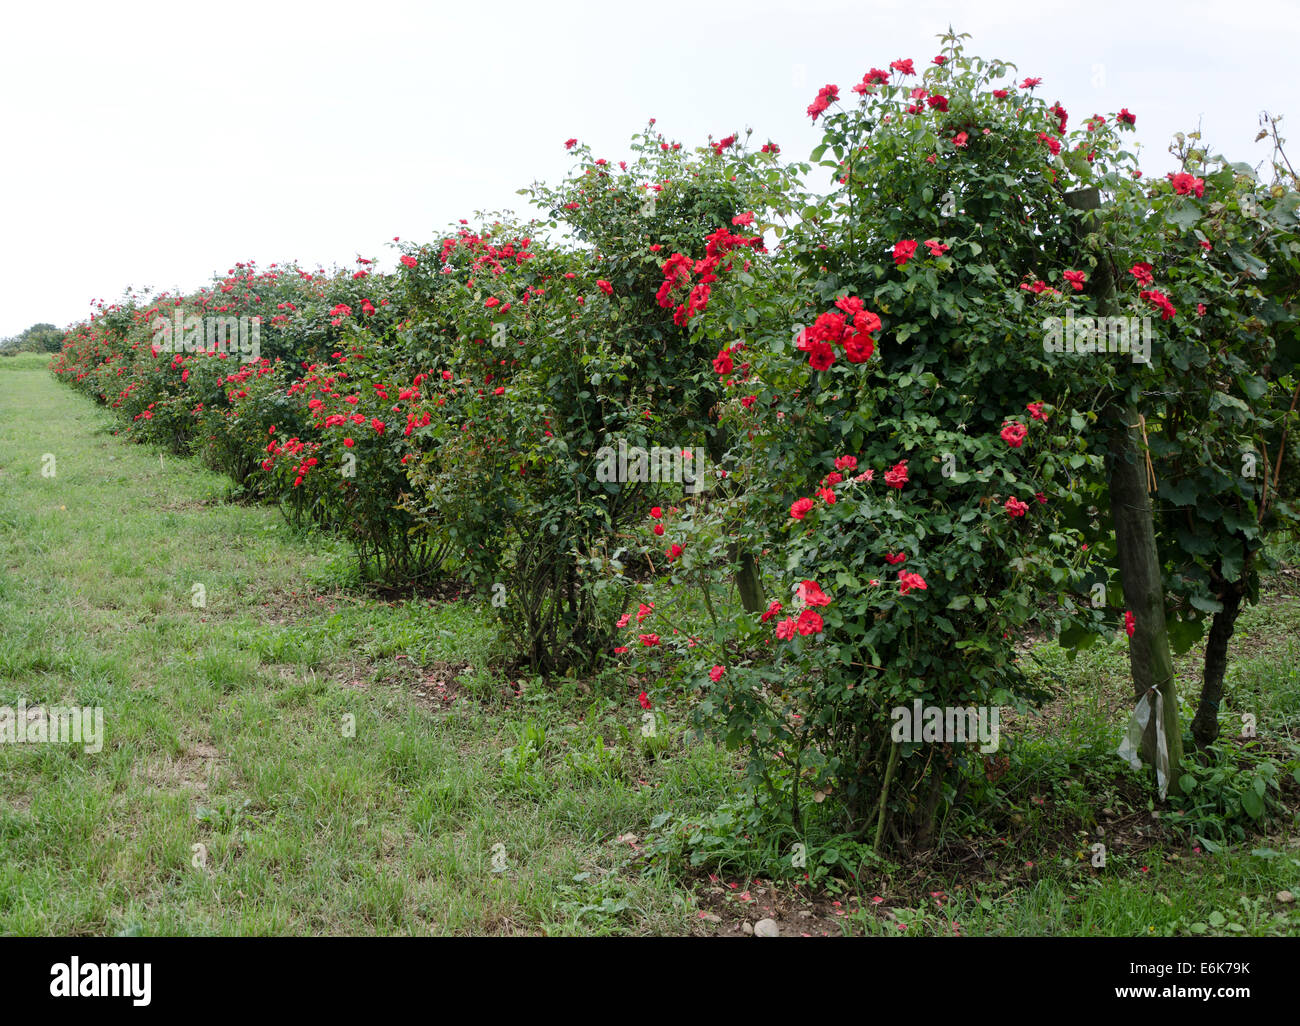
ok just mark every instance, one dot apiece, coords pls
pixel 39 338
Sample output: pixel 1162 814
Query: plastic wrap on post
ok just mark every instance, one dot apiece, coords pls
pixel 1131 747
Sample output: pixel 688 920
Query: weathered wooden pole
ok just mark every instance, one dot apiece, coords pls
pixel 1150 659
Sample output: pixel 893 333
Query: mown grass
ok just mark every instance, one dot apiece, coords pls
pixel 298 731
pixel 225 726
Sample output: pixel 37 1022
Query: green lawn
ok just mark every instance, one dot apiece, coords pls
pixel 227 726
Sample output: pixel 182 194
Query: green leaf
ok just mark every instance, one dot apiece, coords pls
pixel 1180 493
pixel 1206 604
pixel 1183 634
pixel 1253 385
pixel 1184 215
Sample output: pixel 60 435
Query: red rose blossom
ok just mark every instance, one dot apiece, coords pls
pixel 809 622
pixel 1013 433
pixel 896 476
pixel 811 594
pixel 908 581
pixel 903 251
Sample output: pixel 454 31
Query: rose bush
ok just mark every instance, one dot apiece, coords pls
pixel 897 474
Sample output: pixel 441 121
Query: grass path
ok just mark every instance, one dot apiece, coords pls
pixel 225 725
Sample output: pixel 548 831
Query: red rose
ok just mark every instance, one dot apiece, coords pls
pixel 827 95
pixel 903 251
pixel 820 356
pixel 1160 301
pixel 1142 272
pixel 908 581
pixel 1185 184
pixel 800 508
pixel 809 622
pixel 858 348
pixel 1013 433
pixel 811 594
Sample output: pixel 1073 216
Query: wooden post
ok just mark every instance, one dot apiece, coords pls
pixel 1150 659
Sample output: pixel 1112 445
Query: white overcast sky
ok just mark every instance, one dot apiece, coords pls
pixel 153 144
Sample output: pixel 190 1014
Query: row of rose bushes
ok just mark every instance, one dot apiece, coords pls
pixel 898 478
